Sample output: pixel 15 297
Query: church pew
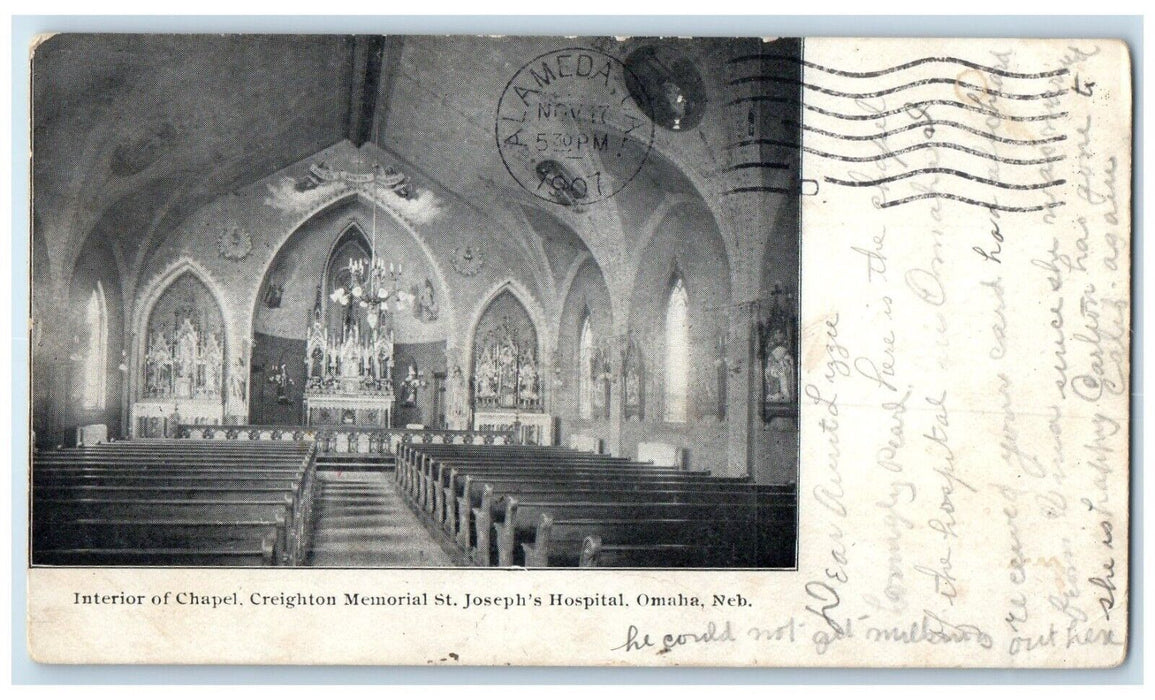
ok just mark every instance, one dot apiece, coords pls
pixel 157 506
pixel 714 522
pixel 414 454
pixel 663 555
pixel 66 513
pixel 421 465
pixel 639 515
pixel 480 493
pixel 151 534
pixel 178 493
pixel 209 462
pixel 255 552
pixel 521 517
pixel 751 542
pixel 418 465
pixel 421 476
pixel 559 542
pixel 66 490
pixel 142 471
pixel 433 484
pixel 436 492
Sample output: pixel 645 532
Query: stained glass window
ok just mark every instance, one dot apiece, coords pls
pixel 677 368
pixel 585 364
pixel 94 365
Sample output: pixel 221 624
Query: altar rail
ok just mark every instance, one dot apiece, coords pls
pixel 350 439
pixel 530 428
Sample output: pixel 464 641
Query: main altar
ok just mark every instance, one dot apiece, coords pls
pixel 349 369
pixel 349 378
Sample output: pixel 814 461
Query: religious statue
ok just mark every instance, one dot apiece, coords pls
pixel 213 362
pixel 280 380
pixel 383 356
pixel 273 294
pixel 507 373
pixel 675 102
pixel 409 386
pixel 235 407
pixel 777 354
pixel 527 394
pixel 458 401
pixel 185 361
pixel 633 404
pixel 237 382
pixel 425 307
pixel 779 369
pixel 486 375
pixel 600 375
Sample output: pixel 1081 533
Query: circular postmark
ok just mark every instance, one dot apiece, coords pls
pixel 568 129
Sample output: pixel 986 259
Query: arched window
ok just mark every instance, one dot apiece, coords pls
pixel 94 365
pixel 677 367
pixel 585 365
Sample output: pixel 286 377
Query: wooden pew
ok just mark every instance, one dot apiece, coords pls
pixel 110 541
pixel 549 506
pixel 173 502
pixel 475 522
pixel 438 492
pixel 521 518
pixel 760 539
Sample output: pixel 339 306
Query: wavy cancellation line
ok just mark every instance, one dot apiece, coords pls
pixel 967 200
pixel 1002 72
pixel 899 88
pixel 930 123
pixel 944 171
pixel 905 108
pixel 899 152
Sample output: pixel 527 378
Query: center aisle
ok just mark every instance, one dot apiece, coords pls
pixel 361 521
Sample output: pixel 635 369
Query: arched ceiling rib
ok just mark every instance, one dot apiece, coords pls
pixel 133 133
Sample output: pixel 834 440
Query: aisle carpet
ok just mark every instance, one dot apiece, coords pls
pixel 361 521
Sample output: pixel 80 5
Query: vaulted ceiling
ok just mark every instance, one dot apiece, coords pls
pixel 132 133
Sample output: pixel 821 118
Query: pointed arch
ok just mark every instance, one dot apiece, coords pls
pixel 506 344
pixel 523 296
pixel 342 197
pixel 155 291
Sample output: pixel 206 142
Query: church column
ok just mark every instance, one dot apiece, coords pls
pixel 618 388
pixel 741 393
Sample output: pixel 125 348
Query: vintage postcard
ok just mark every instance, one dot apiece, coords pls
pixel 610 351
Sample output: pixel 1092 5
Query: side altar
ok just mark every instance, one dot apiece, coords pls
pixel 183 373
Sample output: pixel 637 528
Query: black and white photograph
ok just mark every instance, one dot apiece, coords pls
pixel 415 302
pixel 577 347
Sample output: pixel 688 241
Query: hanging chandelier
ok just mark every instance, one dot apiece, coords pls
pixel 374 285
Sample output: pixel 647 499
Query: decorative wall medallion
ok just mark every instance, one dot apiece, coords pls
pixel 234 244
pixel 468 260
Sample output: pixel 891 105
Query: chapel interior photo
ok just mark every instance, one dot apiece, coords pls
pixel 321 301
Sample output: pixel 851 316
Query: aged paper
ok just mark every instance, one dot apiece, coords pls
pixel 963 417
